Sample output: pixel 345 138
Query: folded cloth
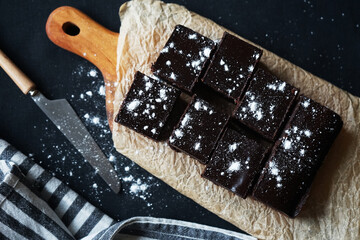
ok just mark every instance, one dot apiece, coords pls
pixel 36 205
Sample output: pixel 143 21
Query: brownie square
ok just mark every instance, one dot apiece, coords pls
pixel 286 180
pixel 266 104
pixel 183 57
pixel 236 162
pixel 231 66
pixel 147 105
pixel 198 130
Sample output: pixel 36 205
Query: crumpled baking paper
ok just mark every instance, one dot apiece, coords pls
pixel 333 209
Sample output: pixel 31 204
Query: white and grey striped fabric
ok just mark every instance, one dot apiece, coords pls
pixel 36 205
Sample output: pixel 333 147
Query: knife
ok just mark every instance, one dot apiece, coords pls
pixel 61 113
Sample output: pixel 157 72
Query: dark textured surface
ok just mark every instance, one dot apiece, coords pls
pixel 297 156
pixel 236 162
pixel 183 57
pixel 266 104
pixel 198 130
pixel 320 36
pixel 147 106
pixel 231 67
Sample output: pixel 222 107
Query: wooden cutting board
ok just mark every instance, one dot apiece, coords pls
pixel 74 31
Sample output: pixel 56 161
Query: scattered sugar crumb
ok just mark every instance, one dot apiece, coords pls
pixel 112 158
pixel 197 146
pixel 307 133
pixel 207 52
pixel 96 120
pixel 287 144
pixel 92 73
pixel 234 166
pixel 192 36
pixel 132 105
pixel 102 90
pixel 233 147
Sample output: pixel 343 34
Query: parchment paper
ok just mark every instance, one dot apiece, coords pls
pixel 333 208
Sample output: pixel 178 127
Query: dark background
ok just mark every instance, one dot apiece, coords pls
pixel 322 37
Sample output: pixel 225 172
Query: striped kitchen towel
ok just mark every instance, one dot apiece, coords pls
pixel 36 205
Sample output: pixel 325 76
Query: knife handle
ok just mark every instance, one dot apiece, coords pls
pixel 21 80
pixel 71 29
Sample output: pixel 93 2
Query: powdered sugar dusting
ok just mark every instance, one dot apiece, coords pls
pixel 207 52
pixel 148 85
pixel 192 36
pixel 254 107
pixel 274 170
pixel 279 86
pixel 197 105
pixel 234 166
pixel 162 94
pixel 173 76
pixel 92 73
pixel 179 133
pixel 287 144
pixel 96 120
pixel 133 105
pixel 195 64
pixel 101 90
pixel 306 103
pixel 165 50
pixel 307 133
pixel 197 146
pixel 67 164
pixel 233 147
pixel 250 68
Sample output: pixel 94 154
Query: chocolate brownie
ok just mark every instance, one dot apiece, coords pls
pixel 147 105
pixel 236 162
pixel 183 57
pixel 231 66
pixel 198 130
pixel 266 104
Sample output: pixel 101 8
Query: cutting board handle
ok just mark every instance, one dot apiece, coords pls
pixel 74 31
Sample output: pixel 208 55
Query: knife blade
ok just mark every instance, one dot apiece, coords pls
pixel 64 117
pixel 66 120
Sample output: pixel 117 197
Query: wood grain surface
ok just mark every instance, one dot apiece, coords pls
pixel 71 29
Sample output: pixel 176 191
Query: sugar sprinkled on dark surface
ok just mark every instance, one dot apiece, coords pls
pixel 68 163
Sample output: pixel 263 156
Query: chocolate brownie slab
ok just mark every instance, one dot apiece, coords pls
pixel 198 130
pixel 236 162
pixel 266 104
pixel 147 105
pixel 231 66
pixel 183 57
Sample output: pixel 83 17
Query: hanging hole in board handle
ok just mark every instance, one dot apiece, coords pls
pixel 70 29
